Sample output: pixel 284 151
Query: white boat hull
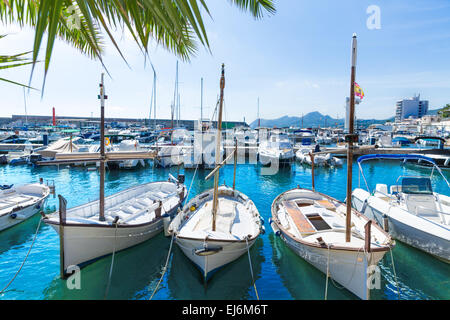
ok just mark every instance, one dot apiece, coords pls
pixel 438 246
pixel 208 264
pixel 349 268
pixel 21 203
pixel 8 220
pixel 85 244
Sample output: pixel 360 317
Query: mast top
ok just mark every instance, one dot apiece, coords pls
pixel 222 78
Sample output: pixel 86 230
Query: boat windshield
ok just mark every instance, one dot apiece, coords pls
pixel 285 145
pixel 413 185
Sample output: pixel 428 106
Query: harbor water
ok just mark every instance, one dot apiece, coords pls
pixel 278 271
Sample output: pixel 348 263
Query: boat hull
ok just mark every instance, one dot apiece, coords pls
pixel 84 244
pixel 417 238
pixel 8 221
pixel 351 269
pixel 218 253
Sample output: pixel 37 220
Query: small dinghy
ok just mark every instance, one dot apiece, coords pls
pixel 219 225
pixel 131 216
pixel 209 247
pixel 20 203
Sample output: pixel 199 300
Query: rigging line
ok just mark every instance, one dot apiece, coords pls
pixel 328 274
pixel 164 268
pixel 193 178
pixel 251 268
pixel 35 235
pixel 395 275
pixel 112 263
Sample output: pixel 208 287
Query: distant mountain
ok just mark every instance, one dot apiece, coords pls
pixel 316 119
pixel 312 119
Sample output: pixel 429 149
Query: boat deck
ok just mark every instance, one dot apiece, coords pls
pixel 233 221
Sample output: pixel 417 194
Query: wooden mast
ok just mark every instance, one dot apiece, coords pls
pixel 350 138
pixel 102 98
pixel 219 133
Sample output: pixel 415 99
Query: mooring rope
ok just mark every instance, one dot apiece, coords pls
pixel 251 269
pixel 328 274
pixel 164 268
pixel 395 275
pixel 32 243
pixel 112 263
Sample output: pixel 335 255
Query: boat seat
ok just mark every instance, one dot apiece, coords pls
pixel 326 204
pixel 301 221
pixel 382 188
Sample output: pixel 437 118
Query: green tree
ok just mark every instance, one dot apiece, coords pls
pixel 445 111
pixel 176 25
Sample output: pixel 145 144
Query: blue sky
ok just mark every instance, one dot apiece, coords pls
pixel 296 61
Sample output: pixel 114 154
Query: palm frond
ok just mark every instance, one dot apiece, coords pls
pixel 176 25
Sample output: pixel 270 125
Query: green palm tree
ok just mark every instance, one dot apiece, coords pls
pixel 13 61
pixel 177 25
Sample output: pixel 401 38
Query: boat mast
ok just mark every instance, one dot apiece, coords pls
pixel 102 98
pixel 219 129
pixel 259 119
pixel 350 138
pixel 25 102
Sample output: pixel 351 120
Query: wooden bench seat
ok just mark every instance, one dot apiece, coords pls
pixel 326 204
pixel 301 221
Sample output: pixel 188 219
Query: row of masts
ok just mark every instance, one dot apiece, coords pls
pixel 350 138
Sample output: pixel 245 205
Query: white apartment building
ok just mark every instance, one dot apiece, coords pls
pixel 411 108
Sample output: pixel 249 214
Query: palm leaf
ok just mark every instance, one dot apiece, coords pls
pixel 176 25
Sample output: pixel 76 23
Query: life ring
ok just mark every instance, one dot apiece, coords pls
pixel 107 141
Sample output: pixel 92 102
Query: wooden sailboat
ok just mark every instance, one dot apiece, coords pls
pixel 330 235
pixel 127 218
pixel 219 225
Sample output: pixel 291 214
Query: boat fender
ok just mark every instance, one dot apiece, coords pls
pixel 447 162
pixel 17 216
pixel 364 206
pixel 385 223
pixel 192 208
pixel 262 220
pixel 207 251
pixel 166 224
pixel 263 230
pixel 38 206
pixel 114 223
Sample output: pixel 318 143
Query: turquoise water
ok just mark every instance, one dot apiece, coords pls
pixel 279 273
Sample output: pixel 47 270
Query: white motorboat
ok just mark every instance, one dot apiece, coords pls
pixel 409 210
pixel 313 226
pixel 171 152
pixel 19 203
pixel 277 149
pixel 131 216
pixel 320 160
pixel 237 223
